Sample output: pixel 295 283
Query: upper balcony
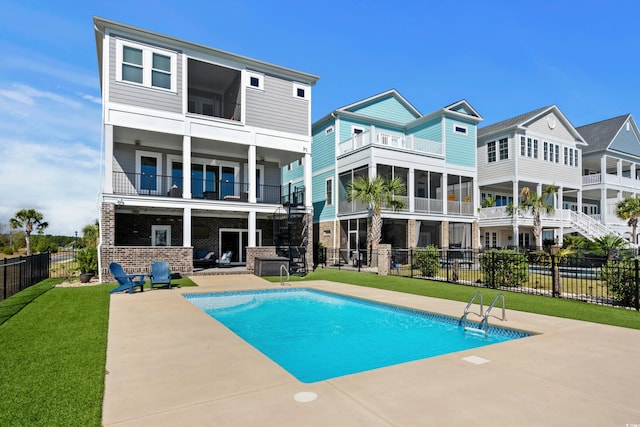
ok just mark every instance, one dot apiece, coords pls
pixel 386 139
pixel 214 91
pixel 142 184
pixel 610 179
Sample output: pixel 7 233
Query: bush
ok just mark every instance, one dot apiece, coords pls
pixel 7 250
pixel 621 282
pixel 504 268
pixel 428 260
pixel 88 260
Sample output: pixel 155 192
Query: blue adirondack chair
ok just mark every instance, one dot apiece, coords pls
pixel 160 274
pixel 126 282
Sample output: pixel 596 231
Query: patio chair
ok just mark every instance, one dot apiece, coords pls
pixel 126 282
pixel 206 261
pixel 225 259
pixel 160 274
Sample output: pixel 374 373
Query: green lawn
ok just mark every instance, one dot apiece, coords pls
pixel 53 341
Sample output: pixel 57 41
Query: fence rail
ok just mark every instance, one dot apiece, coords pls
pixel 613 280
pixel 17 274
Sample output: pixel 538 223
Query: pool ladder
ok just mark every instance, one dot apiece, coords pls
pixel 282 280
pixel 483 326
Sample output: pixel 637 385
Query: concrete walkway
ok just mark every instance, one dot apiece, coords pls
pixel 170 364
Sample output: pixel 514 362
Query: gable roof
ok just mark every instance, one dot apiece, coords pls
pixel 376 98
pixel 523 120
pixel 463 107
pixel 512 122
pixel 600 134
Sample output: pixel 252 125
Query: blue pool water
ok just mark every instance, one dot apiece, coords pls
pixel 316 335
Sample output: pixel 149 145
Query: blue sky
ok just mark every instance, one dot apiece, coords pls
pixel 504 57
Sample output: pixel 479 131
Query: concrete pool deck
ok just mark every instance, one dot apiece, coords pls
pixel 170 364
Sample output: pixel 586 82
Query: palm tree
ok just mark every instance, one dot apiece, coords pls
pixel 537 204
pixel 376 193
pixel 628 209
pixel 28 218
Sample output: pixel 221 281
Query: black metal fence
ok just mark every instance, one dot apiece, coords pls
pixel 613 280
pixel 17 274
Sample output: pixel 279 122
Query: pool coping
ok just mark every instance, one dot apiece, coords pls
pixel 168 363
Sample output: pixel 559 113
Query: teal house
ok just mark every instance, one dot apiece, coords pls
pixel 433 154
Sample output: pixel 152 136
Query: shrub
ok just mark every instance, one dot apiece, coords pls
pixel 621 282
pixel 88 259
pixel 7 250
pixel 504 268
pixel 428 260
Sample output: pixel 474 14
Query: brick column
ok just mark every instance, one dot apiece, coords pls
pixel 384 259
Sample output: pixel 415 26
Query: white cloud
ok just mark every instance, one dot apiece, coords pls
pixel 49 155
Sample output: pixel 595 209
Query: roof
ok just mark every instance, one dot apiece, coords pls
pixel 600 134
pixel 100 25
pixel 512 122
pixel 388 93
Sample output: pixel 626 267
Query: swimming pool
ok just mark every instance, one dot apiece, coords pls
pixel 316 335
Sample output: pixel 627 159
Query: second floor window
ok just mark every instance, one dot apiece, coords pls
pixel 491 151
pixel 503 146
pixel 329 192
pixel 145 65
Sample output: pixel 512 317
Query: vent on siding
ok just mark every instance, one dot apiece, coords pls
pixel 328 130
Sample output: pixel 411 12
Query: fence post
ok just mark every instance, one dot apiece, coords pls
pixel 4 280
pixel 637 285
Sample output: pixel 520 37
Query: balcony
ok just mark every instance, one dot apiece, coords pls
pixel 213 90
pixel 610 179
pixel 136 184
pixel 387 139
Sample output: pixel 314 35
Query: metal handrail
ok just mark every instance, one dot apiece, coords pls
pixel 286 270
pixel 485 320
pixel 463 319
pixel 13 263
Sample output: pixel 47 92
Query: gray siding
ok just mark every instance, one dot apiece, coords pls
pixel 276 108
pixel 501 170
pixel 139 96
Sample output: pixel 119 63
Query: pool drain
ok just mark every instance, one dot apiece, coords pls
pixel 305 396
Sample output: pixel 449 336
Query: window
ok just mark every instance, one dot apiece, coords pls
pixel 551 152
pixel 504 148
pixel 523 146
pixel 528 147
pixel 301 91
pixel 546 150
pixel 460 129
pixel 255 80
pixel 566 155
pixel 328 194
pixel 147 66
pixel 491 151
pixel 160 235
pixel 535 148
pixel 557 153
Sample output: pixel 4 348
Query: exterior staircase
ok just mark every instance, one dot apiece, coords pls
pixel 291 232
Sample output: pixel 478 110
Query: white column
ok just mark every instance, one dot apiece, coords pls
pixel 186 166
pixel 308 178
pixel 108 159
pixel 603 168
pixel 251 172
pixel 579 199
pixel 186 227
pixel 619 169
pixel 411 189
pixel 560 192
pixel 251 222
pixel 632 171
pixel 516 231
pixel 603 205
pixel 445 193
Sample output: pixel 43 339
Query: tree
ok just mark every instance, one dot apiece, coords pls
pixel 28 218
pixel 537 204
pixel 90 234
pixel 628 209
pixel 376 193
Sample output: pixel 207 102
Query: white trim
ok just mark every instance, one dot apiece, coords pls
pixel 333 191
pixel 460 129
pixel 160 234
pixel 253 75
pixel 158 157
pixel 305 88
pixel 147 64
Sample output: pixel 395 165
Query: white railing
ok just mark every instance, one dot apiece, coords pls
pixel 612 179
pixel 423 204
pixel 591 179
pixel 391 139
